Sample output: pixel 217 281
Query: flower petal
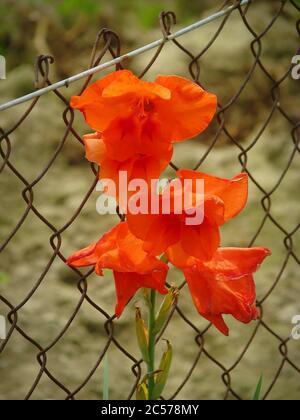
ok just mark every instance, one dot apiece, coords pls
pixel 200 241
pixel 190 109
pixel 237 262
pixel 158 232
pixel 130 84
pixel 233 192
pixel 225 285
pixel 214 297
pixel 130 254
pixel 133 268
pixel 218 322
pixel 100 111
pixel 94 148
pixel 128 136
pixel 83 258
pixel 178 257
pixel 120 138
pixel 127 284
pixel 150 168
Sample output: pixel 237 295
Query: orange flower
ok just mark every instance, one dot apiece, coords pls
pixel 173 107
pixel 222 200
pixel 139 161
pixel 133 268
pixel 225 285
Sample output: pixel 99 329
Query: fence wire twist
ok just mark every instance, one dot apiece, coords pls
pixel 112 45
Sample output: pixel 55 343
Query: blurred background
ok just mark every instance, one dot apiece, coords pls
pixel 67 29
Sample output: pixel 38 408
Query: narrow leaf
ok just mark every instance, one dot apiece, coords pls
pixel 142 392
pixel 257 393
pixel 165 308
pixel 164 369
pixel 142 335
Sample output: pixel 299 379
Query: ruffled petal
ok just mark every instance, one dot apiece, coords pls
pixel 130 254
pixel 129 84
pixel 83 258
pixel 190 109
pixel 233 192
pixel 238 262
pixel 133 268
pixel 100 110
pixel 225 285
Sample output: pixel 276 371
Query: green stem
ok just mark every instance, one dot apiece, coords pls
pixel 152 340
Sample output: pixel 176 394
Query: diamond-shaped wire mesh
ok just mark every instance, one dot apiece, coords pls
pixel 208 365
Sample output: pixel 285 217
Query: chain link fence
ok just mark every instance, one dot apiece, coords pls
pixel 202 354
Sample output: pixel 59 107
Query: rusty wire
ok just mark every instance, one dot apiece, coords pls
pixel 112 45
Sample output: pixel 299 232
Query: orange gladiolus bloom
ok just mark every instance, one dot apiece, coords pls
pixel 222 200
pixel 225 285
pixel 133 268
pixel 171 108
pixel 139 161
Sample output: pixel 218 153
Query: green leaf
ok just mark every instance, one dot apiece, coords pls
pixel 165 308
pixel 142 335
pixel 164 368
pixel 142 392
pixel 257 394
pixel 105 378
